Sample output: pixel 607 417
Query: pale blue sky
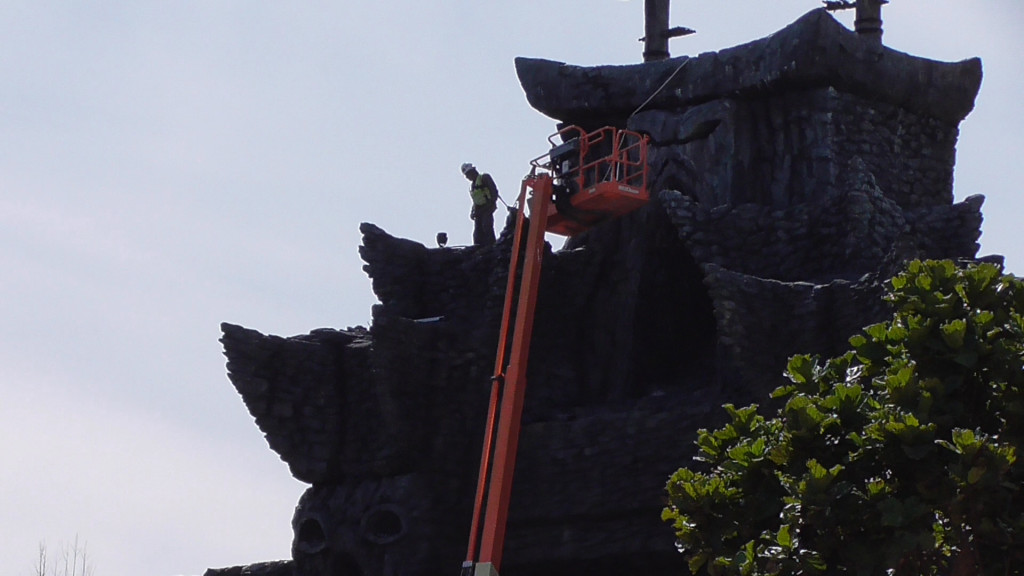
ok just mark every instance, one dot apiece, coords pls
pixel 165 166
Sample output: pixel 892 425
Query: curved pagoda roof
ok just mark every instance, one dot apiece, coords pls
pixel 816 51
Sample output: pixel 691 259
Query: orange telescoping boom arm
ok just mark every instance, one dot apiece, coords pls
pixel 606 187
pixel 508 390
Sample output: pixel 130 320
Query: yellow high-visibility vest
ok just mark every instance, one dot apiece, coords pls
pixel 480 193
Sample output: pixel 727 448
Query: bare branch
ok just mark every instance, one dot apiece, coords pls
pixel 40 569
pixel 75 558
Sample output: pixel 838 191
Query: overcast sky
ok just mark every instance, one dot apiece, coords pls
pixel 165 166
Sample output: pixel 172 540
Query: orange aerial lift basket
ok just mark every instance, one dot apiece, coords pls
pixel 585 179
pixel 597 176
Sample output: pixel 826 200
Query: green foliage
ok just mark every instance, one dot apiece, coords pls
pixel 898 457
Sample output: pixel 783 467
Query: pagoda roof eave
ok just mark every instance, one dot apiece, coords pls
pixel 816 51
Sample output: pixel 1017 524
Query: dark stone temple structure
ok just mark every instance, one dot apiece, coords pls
pixel 790 178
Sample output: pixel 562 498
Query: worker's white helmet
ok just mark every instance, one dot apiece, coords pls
pixel 466 168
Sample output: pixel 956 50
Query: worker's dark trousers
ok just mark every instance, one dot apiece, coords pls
pixel 483 227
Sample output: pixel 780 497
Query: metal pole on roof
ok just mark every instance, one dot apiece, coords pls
pixel 869 20
pixel 656 30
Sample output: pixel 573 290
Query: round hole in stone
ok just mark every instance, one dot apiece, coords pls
pixel 383 524
pixel 311 536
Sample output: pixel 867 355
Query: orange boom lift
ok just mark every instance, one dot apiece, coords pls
pixel 586 178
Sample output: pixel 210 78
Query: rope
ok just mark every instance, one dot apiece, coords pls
pixel 503 202
pixel 660 88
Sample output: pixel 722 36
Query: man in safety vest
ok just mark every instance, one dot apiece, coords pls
pixel 485 199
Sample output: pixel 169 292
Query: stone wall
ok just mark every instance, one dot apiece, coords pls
pixel 790 178
pixel 784 149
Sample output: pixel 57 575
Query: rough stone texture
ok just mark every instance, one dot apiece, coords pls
pixel 786 149
pixel 791 177
pixel 406 402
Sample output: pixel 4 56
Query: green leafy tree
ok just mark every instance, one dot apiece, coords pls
pixel 898 457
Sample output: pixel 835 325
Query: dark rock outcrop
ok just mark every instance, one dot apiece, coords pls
pixel 790 178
